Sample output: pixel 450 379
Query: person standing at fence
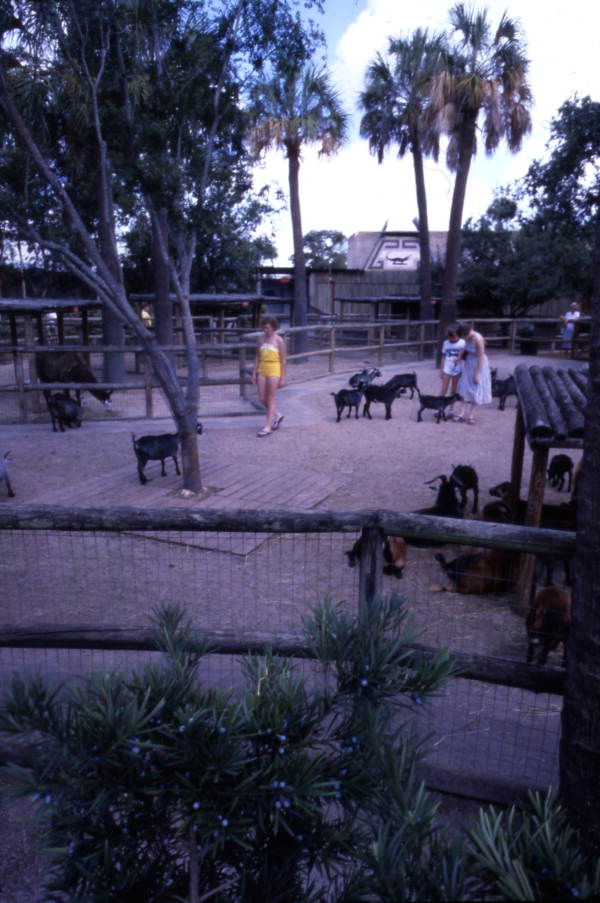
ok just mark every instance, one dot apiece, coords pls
pixel 568 321
pixel 475 384
pixel 451 363
pixel 268 372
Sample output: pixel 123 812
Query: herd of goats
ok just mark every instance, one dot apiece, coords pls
pixel 549 614
pixel 491 570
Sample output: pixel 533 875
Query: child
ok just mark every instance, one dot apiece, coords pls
pixel 451 363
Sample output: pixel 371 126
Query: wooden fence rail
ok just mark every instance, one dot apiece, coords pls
pixel 374 524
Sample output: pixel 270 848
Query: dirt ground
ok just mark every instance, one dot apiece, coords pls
pixel 311 462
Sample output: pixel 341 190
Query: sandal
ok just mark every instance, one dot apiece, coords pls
pixel 456 418
pixel 263 432
pixel 471 421
pixel 277 423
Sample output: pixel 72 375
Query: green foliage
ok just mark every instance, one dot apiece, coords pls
pixel 150 783
pixel 531 853
pixel 325 249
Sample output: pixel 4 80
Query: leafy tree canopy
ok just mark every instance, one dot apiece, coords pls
pixel 325 249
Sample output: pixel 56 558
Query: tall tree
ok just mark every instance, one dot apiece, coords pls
pixel 483 87
pixel 395 97
pixel 296 105
pixel 157 127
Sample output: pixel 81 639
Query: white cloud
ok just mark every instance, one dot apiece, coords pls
pixel 351 192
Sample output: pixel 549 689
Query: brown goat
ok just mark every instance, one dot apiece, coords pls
pixel 394 555
pixel 548 623
pixel 480 572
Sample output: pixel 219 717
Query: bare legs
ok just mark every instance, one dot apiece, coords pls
pixel 267 390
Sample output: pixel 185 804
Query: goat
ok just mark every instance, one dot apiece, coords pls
pixel 554 517
pixel 502 388
pixel 437 403
pixel 362 379
pixel 347 398
pixel 479 572
pixel 4 475
pixel 561 466
pixel 465 477
pixel 69 367
pixel 157 448
pixel 404 381
pixel 384 394
pixel 548 622
pixel 394 555
pixel 63 410
pixel 446 504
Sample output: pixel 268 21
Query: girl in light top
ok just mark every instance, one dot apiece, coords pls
pixel 451 363
pixel 269 372
pixel 568 321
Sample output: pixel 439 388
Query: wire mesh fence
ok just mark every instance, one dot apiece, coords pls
pixel 269 579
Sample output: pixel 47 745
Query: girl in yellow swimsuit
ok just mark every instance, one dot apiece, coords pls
pixel 269 372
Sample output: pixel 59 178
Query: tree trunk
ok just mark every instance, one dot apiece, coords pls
pixel 163 306
pixel 449 310
pixel 425 309
pixel 580 740
pixel 112 324
pixel 300 312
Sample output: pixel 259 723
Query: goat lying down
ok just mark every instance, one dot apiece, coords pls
pixel 157 448
pixel 490 571
pixel 394 555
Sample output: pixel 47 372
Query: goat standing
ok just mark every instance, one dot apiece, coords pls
pixel 548 623
pixel 69 367
pixel 347 398
pixel 157 448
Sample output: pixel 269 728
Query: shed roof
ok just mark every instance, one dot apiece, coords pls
pixel 552 402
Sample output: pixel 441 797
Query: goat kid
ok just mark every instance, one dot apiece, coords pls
pixel 548 623
pixel 347 398
pixel 4 474
pixel 502 388
pixel 394 555
pixel 465 477
pixel 64 411
pixel 157 448
pixel 362 379
pixel 480 572
pixel 437 403
pixel 447 504
pixel 559 469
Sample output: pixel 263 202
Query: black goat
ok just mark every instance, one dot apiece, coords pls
pixel 447 504
pixel 437 403
pixel 502 388
pixel 561 466
pixel 4 475
pixel 394 555
pixel 157 448
pixel 69 367
pixel 362 379
pixel 404 381
pixel 382 394
pixel 465 477
pixel 64 411
pixel 347 398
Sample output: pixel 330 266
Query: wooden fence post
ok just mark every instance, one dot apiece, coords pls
pixel 381 346
pixel 148 386
pixel 370 578
pixel 332 350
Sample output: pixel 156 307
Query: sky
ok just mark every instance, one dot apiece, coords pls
pixel 351 192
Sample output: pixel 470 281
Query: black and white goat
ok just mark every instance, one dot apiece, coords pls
pixel 364 378
pixel 4 474
pixel 157 448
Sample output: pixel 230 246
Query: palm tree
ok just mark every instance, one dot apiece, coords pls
pixel 297 106
pixel 396 94
pixel 483 85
